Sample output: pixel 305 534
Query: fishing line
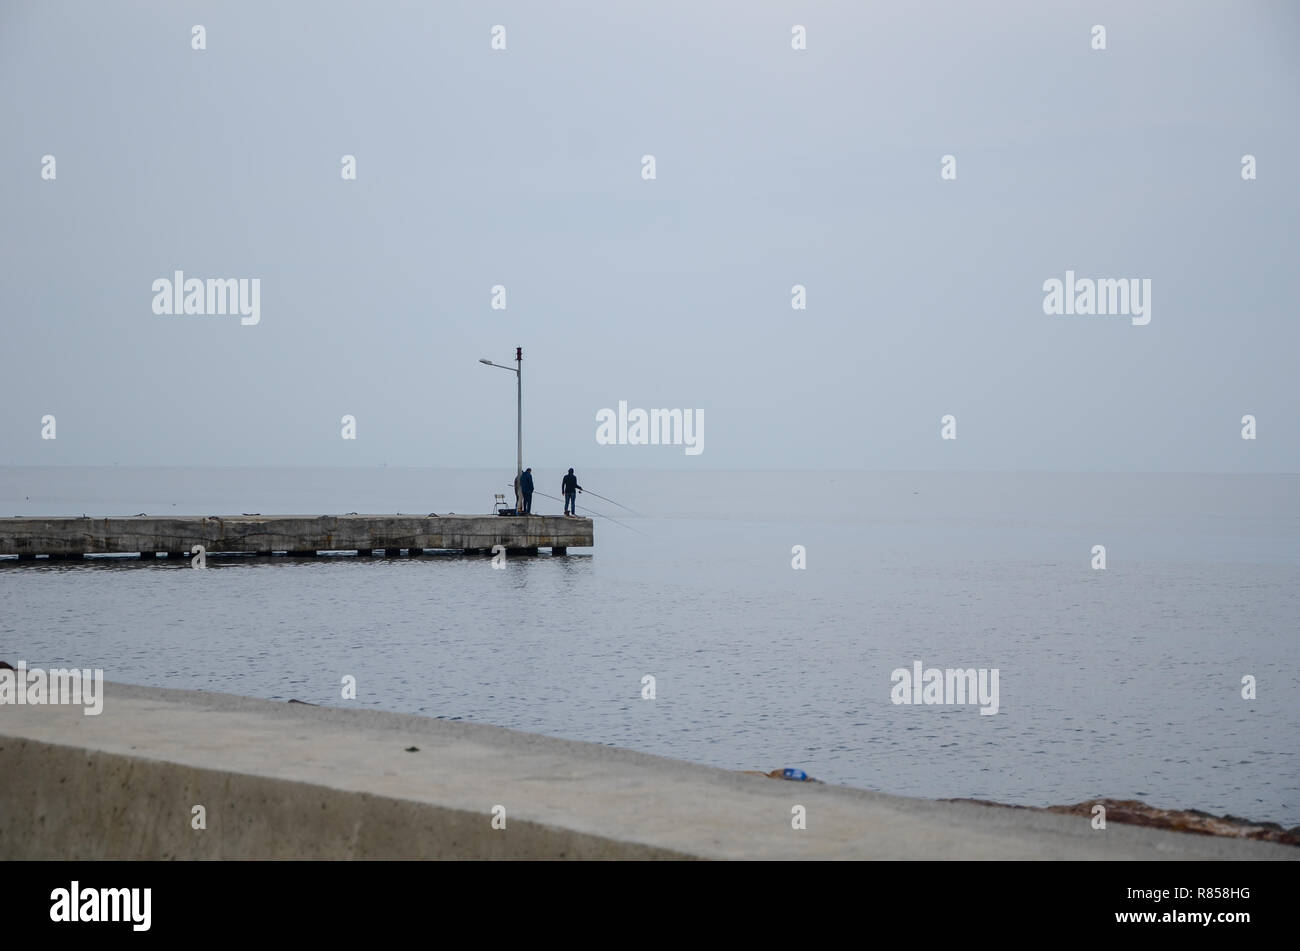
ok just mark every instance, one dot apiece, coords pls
pixel 619 504
pixel 593 512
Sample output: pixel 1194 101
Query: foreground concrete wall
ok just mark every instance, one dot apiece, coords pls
pixel 292 781
pixel 59 793
pixel 299 533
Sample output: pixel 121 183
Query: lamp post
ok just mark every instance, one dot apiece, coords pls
pixel 518 371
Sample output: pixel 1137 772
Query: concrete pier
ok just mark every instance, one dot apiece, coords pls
pixel 295 534
pixel 290 781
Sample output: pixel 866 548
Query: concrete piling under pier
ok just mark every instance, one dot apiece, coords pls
pixel 294 534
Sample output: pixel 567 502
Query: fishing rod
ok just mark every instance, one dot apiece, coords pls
pixel 593 512
pixel 619 504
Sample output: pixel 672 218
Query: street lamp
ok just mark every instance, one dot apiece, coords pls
pixel 518 371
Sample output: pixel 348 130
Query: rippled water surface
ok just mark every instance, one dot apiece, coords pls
pixel 1123 683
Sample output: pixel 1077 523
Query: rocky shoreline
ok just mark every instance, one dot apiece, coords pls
pixel 1129 812
pixel 1136 812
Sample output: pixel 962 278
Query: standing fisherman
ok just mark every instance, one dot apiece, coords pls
pixel 569 488
pixel 526 485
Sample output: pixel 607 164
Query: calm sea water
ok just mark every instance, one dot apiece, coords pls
pixel 1124 682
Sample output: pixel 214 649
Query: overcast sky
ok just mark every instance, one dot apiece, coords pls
pixel 774 167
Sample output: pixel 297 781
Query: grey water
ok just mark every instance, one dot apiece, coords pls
pixel 1125 682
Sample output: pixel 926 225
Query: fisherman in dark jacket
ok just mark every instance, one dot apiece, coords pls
pixel 569 488
pixel 526 484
